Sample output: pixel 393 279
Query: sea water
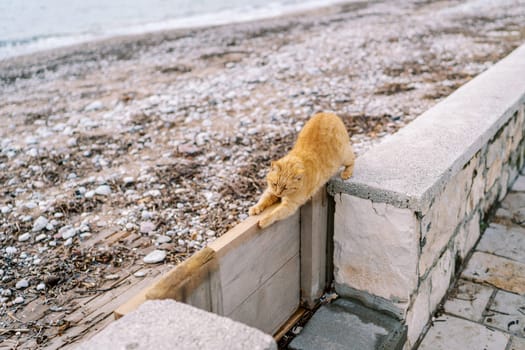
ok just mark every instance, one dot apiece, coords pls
pixel 28 26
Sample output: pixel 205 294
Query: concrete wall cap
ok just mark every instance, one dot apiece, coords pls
pixel 408 168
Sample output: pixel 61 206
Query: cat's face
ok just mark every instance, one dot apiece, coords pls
pixel 285 177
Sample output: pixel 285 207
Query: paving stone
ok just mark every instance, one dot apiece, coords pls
pixel 519 184
pixel 507 312
pixel 517 344
pixel 449 332
pixel 500 272
pixel 343 322
pixel 514 201
pixel 508 242
pixel 468 300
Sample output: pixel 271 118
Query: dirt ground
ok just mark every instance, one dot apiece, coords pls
pixel 114 149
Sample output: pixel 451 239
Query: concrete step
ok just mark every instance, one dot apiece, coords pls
pixel 345 324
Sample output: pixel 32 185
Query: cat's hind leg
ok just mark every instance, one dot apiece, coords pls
pixel 266 200
pixel 348 162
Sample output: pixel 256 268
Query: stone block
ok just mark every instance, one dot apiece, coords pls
pixel 375 247
pixel 500 272
pixel 467 236
pixel 519 184
pixel 468 300
pixel 517 344
pixel 506 313
pixel 448 332
pixel 440 277
pixel 444 216
pixel 504 241
pixel 419 313
pixel 493 174
pixel 167 324
pixel 335 326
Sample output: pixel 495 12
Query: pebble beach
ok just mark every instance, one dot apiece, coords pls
pixel 163 139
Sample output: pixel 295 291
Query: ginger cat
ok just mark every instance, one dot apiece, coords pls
pixel 322 147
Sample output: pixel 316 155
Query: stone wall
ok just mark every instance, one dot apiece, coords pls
pixel 412 212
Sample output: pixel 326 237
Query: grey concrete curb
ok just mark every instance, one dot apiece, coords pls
pixel 408 168
pixel 167 324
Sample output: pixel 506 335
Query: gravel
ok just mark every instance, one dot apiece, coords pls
pixel 109 148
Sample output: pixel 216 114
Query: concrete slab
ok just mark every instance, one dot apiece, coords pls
pixel 507 313
pixel 508 242
pixel 167 324
pixel 449 332
pixel 517 344
pixel 500 272
pixel 468 300
pixel 345 324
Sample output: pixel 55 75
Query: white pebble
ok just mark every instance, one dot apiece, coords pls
pixel 139 274
pixel 10 250
pixel 18 300
pixel 155 256
pixel 163 239
pixel 22 284
pixel 41 286
pixel 24 237
pixel 68 242
pixel 103 190
pixel 40 224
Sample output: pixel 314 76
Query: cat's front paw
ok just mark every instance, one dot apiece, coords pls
pixel 265 222
pixel 255 210
pixel 347 173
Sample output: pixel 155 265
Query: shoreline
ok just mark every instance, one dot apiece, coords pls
pixel 153 37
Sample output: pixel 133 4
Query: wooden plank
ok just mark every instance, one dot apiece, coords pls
pixel 251 262
pixel 289 324
pixel 136 296
pixel 189 281
pixel 273 303
pixel 314 221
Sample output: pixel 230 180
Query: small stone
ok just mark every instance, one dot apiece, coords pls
pixel 139 274
pixel 103 190
pixel 129 226
pixel 68 242
pixel 89 194
pixel 146 215
pixel 155 256
pixel 52 243
pixel 10 250
pixel 22 284
pixel 94 106
pixel 163 239
pixel 85 235
pixel 147 227
pixel 18 300
pixel 24 237
pixel 5 210
pixel 40 224
pixel 67 234
pixel 7 293
pixel 210 233
pixel 41 286
pixel 128 180
pixel 112 277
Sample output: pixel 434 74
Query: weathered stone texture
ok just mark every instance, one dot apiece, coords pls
pixel 387 236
